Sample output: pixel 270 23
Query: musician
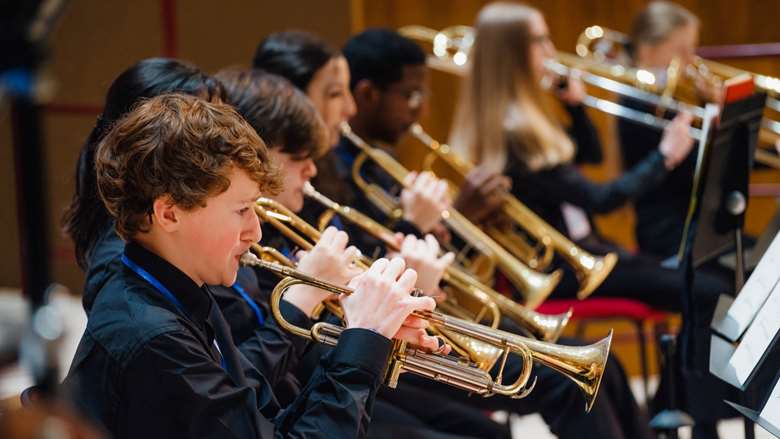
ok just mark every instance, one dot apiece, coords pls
pixel 288 122
pixel 384 57
pixel 157 359
pixel 98 247
pixel 522 140
pixel 660 33
pixel 536 154
pixel 322 73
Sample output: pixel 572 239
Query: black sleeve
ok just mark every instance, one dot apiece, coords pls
pixel 569 185
pixel 274 351
pixel 206 403
pixel 267 346
pixel 584 134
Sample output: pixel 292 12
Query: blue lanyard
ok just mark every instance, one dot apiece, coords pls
pixel 166 293
pixel 250 302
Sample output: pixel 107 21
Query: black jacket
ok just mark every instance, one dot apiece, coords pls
pixel 146 367
pixel 661 210
pixel 544 191
pixel 272 350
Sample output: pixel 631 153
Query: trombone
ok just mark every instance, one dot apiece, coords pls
pixel 599 45
pixel 450 54
pixel 540 326
pixel 533 286
pixel 590 270
pixel 582 364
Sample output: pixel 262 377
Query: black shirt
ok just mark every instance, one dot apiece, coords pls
pixel 545 190
pixel 272 350
pixel 147 368
pixel 661 210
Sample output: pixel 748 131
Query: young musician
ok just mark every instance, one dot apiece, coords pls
pixel 388 82
pixel 322 73
pixel 271 349
pixel 287 121
pixel 660 33
pixel 503 125
pixel 180 176
pixel 520 139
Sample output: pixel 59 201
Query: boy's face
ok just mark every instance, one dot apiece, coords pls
pixel 295 173
pixel 213 238
pixel 400 105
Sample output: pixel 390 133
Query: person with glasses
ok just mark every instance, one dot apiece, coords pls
pixel 389 84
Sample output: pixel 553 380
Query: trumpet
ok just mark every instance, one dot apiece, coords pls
pixel 582 364
pixel 304 236
pixel 590 270
pixel 540 326
pixel 535 287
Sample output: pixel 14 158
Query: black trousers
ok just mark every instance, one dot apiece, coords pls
pixel 641 277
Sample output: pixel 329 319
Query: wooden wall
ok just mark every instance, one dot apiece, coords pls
pixel 723 22
pixel 96 40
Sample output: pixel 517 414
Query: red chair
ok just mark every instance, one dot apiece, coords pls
pixel 613 308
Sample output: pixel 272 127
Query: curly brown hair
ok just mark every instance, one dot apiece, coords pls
pixel 180 146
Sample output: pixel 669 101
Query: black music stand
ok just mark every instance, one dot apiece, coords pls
pixel 718 204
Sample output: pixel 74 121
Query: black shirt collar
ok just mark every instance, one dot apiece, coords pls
pixel 195 300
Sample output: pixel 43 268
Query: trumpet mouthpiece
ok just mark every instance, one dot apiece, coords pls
pixel 249 258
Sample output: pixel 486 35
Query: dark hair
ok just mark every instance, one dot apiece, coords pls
pixel 280 113
pixel 379 56
pixel 180 146
pixel 86 217
pixel 294 55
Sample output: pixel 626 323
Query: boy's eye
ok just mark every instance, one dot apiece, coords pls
pixel 244 210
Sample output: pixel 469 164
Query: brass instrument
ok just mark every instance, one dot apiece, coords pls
pixel 540 326
pixel 582 364
pixel 305 236
pixel 533 286
pixel 590 270
pixel 607 47
pixel 637 84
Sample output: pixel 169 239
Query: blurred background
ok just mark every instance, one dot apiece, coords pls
pixel 94 40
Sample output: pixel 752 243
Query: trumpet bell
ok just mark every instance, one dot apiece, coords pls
pixel 595 270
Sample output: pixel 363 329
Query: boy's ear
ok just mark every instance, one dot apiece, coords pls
pixel 365 93
pixel 166 214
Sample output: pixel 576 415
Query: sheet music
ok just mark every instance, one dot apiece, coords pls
pixel 757 338
pixel 753 295
pixel 720 354
pixel 771 411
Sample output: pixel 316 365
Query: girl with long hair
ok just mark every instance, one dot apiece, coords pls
pixel 504 124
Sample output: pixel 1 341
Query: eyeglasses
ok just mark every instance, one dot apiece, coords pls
pixel 414 98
